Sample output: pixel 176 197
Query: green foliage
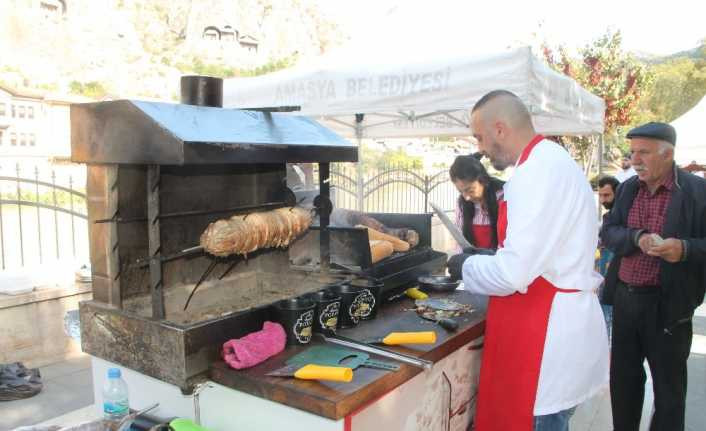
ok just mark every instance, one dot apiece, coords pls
pixel 217 70
pixel 607 71
pixel 197 66
pixel 92 89
pixel 379 160
pixel 678 86
pixel 48 87
pixel 604 69
pixel 63 198
pixel 269 67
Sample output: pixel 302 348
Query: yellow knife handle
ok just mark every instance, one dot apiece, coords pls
pixel 425 337
pixel 415 293
pixel 320 372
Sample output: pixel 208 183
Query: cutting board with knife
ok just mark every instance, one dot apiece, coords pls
pixel 340 357
pixel 336 399
pixel 335 363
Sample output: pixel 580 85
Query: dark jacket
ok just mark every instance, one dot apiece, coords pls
pixel 682 283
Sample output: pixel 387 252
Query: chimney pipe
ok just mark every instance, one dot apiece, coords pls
pixel 202 91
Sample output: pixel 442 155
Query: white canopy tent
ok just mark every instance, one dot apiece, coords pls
pixel 416 72
pixel 429 96
pixel 691 144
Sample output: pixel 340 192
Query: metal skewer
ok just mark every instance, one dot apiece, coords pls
pixel 203 277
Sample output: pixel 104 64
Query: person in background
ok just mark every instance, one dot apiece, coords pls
pixel 627 170
pixel 698 171
pixel 477 207
pixel 657 230
pixel 545 347
pixel 607 187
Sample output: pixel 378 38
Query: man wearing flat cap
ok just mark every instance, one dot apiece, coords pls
pixel 657 229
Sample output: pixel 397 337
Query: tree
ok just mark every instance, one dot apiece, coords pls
pixel 679 84
pixel 605 70
pixel 384 159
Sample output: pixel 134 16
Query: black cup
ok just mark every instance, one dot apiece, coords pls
pixel 355 301
pixel 297 317
pixel 328 305
pixel 375 287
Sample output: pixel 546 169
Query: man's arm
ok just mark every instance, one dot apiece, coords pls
pixel 695 250
pixel 615 236
pixel 675 250
pixel 536 226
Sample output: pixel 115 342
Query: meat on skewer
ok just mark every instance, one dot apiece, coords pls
pixel 243 234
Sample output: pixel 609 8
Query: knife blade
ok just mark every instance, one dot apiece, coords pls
pixel 357 345
pixel 314 372
pixel 445 322
pixel 451 227
pixel 396 338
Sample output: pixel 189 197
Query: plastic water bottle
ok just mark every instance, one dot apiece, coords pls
pixel 115 397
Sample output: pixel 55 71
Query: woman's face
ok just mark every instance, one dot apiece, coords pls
pixel 470 190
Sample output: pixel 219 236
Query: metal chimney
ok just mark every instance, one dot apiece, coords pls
pixel 202 91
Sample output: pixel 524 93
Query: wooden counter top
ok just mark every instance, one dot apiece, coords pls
pixel 336 400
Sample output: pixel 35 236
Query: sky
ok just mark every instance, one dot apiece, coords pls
pixel 648 27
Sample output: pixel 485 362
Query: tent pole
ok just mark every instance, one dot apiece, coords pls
pixel 600 155
pixel 600 168
pixel 360 183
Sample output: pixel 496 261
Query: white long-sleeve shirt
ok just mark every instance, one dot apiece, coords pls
pixel 552 233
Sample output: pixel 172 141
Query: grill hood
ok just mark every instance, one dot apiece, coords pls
pixel 138 132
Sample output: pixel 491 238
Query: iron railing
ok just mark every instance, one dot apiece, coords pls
pixel 391 189
pixel 43 218
pixel 54 207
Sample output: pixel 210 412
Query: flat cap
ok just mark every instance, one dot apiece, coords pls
pixel 653 130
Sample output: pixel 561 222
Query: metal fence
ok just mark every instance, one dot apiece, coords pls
pixel 390 189
pixel 42 217
pixel 43 213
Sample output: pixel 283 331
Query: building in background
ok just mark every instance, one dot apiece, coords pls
pixel 34 127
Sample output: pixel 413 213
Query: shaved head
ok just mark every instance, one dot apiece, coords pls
pixel 502 105
pixel 503 126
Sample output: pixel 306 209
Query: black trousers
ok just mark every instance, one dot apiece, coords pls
pixel 636 336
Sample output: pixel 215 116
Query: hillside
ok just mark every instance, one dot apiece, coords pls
pixel 140 48
pixel 697 53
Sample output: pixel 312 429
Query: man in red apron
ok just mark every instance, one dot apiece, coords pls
pixel 546 347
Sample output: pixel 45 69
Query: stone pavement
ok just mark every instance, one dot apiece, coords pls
pixel 68 386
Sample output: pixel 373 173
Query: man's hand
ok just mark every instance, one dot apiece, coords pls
pixel 455 265
pixel 670 250
pixel 645 242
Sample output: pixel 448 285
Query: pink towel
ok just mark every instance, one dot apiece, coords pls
pixel 255 347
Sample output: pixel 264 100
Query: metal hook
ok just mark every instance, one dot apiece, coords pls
pixel 203 277
pixel 230 268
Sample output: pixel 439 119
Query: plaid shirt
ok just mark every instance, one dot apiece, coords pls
pixel 648 212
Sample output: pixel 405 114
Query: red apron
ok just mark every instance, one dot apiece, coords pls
pixel 515 330
pixel 482 235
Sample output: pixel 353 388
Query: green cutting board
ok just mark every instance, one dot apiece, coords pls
pixel 337 357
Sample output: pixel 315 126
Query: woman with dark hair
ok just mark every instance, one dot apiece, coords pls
pixel 477 208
